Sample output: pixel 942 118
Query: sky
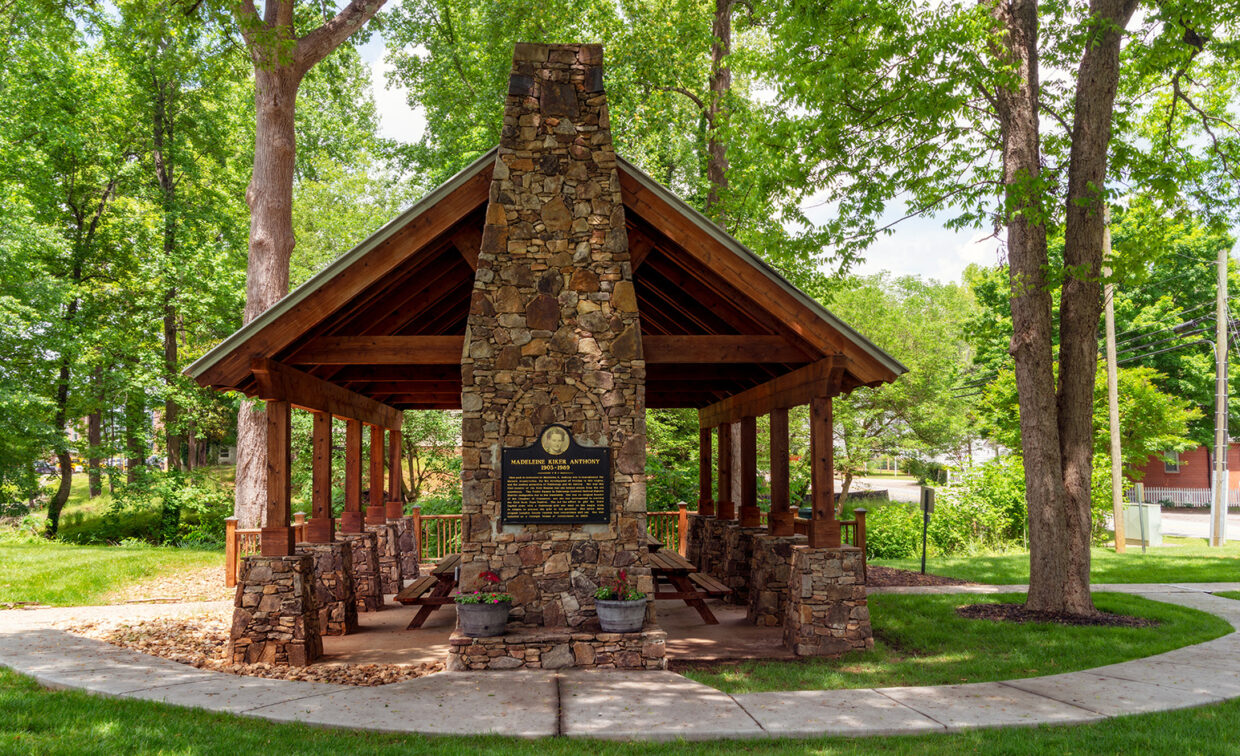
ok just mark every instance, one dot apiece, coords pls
pixel 918 246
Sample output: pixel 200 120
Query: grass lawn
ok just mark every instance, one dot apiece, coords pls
pixel 66 575
pixel 1229 594
pixel 919 640
pixel 70 722
pixel 1182 560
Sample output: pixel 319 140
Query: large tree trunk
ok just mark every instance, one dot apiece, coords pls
pixel 720 86
pixel 1031 308
pixel 63 458
pixel 135 432
pixel 270 197
pixel 94 438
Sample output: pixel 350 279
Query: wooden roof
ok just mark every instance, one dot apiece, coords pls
pixel 386 321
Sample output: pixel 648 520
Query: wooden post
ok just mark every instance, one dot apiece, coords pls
pixel 824 529
pixel 860 538
pixel 230 552
pixel 779 522
pixel 395 495
pixel 725 507
pixel 417 531
pixel 277 535
pixel 682 529
pixel 376 512
pixel 299 527
pixel 321 529
pixel 706 503
pixel 351 518
pixel 751 516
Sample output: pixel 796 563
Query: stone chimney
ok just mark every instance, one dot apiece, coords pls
pixel 554 337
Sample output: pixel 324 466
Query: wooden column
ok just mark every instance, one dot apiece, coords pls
pixel 321 528
pixel 706 502
pixel 376 512
pixel 824 529
pixel 395 496
pixel 751 516
pixel 779 521
pixel 725 508
pixel 277 535
pixel 351 518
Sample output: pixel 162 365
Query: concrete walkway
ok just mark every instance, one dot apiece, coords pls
pixel 637 705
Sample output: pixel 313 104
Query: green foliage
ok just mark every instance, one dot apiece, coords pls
pixel 166 508
pixel 671 458
pixel 893 531
pixel 983 509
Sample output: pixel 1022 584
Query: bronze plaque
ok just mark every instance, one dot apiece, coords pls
pixel 555 480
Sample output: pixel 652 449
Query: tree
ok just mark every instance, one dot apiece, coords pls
pixel 281 59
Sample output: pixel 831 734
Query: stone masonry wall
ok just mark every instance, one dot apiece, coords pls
pixel 539 648
pixel 713 551
pixel 387 549
pixel 409 567
pixel 553 337
pixel 768 578
pixel 275 617
pixel 366 586
pixel 827 613
pixel 738 561
pixel 333 586
pixel 695 538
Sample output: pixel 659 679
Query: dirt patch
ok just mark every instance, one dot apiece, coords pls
pixel 201 641
pixel 205 584
pixel 889 577
pixel 1018 613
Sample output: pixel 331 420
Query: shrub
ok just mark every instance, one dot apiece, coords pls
pixel 170 508
pixel 893 531
pixel 984 510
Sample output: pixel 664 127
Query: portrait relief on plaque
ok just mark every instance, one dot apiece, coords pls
pixel 555 480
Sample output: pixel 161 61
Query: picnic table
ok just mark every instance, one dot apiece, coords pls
pixel 431 591
pixel 689 585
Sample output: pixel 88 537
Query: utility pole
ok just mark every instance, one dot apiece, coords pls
pixel 1218 503
pixel 1117 480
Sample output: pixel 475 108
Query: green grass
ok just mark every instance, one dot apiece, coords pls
pixel 1229 594
pixel 920 640
pixel 66 575
pixel 1182 560
pixel 70 722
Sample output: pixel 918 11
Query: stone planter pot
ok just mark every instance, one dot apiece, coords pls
pixel 621 616
pixel 483 620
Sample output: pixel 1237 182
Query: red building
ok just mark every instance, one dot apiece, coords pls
pixel 1188 469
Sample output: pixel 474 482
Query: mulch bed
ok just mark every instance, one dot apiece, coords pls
pixel 1019 614
pixel 202 641
pixel 889 577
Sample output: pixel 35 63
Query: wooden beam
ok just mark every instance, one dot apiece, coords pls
pixel 779 521
pixel 725 507
pixel 376 512
pixel 801 386
pixel 277 535
pixel 751 516
pixel 468 241
pixel 321 528
pixel 824 529
pixel 706 504
pixel 277 381
pixel 446 350
pixel 351 518
pixel 640 247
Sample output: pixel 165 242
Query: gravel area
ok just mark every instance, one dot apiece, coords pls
pixel 888 577
pixel 1018 613
pixel 206 584
pixel 201 640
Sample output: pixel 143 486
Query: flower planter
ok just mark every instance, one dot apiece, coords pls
pixel 483 620
pixel 621 616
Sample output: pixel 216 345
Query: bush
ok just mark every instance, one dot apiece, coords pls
pixel 168 508
pixel 893 531
pixel 984 510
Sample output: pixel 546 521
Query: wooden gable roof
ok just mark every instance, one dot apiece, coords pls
pixel 386 321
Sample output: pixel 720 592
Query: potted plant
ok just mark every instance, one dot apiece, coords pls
pixel 621 607
pixel 483 614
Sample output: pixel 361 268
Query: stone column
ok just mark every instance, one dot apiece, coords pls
pixel 387 550
pixel 367 588
pixel 768 586
pixel 827 613
pixel 275 617
pixel 333 586
pixel 553 337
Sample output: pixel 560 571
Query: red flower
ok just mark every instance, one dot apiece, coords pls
pixel 490 577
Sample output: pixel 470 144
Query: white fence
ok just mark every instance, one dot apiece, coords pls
pixel 1180 497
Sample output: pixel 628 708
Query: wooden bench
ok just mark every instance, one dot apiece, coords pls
pixel 417 589
pixel 711 586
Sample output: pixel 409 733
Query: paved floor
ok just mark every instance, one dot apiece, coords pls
pixel 1196 524
pixel 636 705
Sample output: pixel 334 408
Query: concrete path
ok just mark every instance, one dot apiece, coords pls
pixel 1195 524
pixel 637 705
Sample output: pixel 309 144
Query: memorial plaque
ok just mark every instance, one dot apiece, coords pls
pixel 555 480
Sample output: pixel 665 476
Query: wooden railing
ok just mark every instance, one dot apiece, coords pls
pixel 440 535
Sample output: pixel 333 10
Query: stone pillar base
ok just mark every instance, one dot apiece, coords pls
pixel 367 589
pixel 738 561
pixel 409 568
pixel 827 613
pixel 275 617
pixel 768 578
pixel 387 548
pixel 333 586
pixel 713 553
pixel 536 647
pixel 695 538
